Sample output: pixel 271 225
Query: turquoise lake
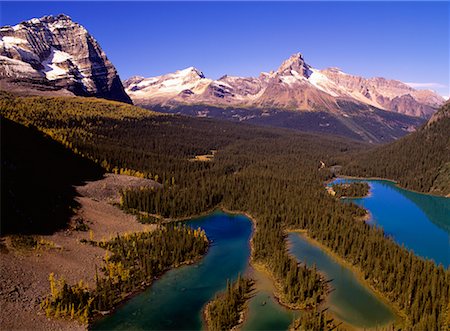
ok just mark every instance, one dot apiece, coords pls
pixel 421 222
pixel 175 301
pixel 350 301
pixel 264 311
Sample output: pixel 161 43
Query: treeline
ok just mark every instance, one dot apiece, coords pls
pixel 225 311
pixel 351 190
pixel 299 287
pixel 136 260
pixel 419 161
pixel 314 320
pixel 271 174
pixel 404 279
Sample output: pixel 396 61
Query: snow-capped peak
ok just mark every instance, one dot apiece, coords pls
pixel 50 22
pixel 191 71
pixel 168 85
pixel 61 50
pixel 49 19
pixel 294 83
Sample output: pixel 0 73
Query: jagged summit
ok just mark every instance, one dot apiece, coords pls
pixel 49 19
pixel 54 54
pixel 295 65
pixel 295 85
pixel 191 71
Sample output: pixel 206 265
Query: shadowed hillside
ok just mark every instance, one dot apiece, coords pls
pixel 419 161
pixel 37 178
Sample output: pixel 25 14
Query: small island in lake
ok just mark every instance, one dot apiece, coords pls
pixel 350 190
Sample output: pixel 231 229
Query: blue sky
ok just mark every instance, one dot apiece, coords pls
pixel 408 41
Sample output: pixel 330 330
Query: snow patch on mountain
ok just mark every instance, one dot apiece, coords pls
pixel 52 67
pixel 10 42
pixel 294 85
pixel 60 54
pixel 169 85
pixel 323 83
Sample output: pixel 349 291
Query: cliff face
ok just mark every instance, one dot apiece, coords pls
pixel 55 54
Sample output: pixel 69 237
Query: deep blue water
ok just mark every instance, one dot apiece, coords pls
pixel 421 222
pixel 174 302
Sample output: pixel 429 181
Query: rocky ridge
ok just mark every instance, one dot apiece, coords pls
pixel 54 55
pixel 295 85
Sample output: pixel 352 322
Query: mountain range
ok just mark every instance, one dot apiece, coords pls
pixel 295 85
pixel 53 55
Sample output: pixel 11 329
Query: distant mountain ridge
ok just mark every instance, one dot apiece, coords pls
pixel 295 85
pixel 295 96
pixel 54 55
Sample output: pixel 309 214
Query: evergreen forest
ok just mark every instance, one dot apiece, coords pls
pixel 419 161
pixel 225 311
pixel 274 175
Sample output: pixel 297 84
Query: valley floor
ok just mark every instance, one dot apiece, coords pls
pixel 24 273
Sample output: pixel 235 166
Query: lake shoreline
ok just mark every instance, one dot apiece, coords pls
pixel 401 317
pixel 243 313
pixel 28 270
pixel 263 268
pixel 332 192
pixel 396 183
pixel 197 221
pixel 409 210
pixel 128 296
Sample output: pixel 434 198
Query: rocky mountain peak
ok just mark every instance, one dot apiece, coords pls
pixel 59 53
pixel 295 64
pixel 50 19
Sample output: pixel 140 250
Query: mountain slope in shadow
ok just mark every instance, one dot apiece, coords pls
pixel 37 180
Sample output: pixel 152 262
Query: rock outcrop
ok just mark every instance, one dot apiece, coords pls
pixel 54 55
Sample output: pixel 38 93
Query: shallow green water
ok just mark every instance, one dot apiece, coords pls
pixel 264 312
pixel 350 301
pixel 175 301
pixel 419 221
